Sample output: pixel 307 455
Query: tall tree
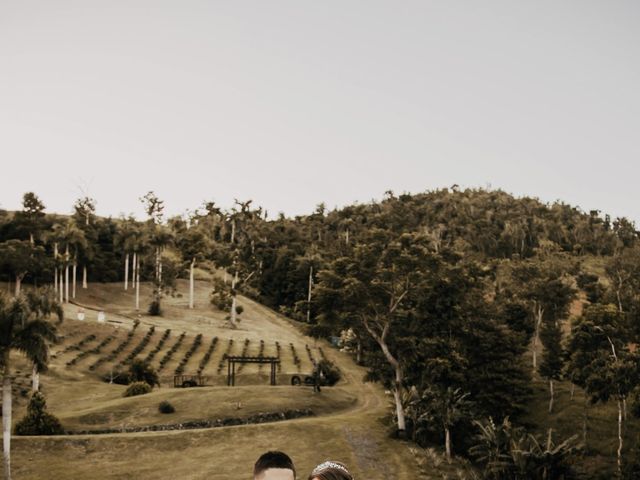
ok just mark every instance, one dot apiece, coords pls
pixel 84 215
pixel 25 329
pixel 601 361
pixel 552 363
pixel 373 288
pixel 195 246
pixel 32 215
pixel 127 240
pixel 20 257
pixel 73 241
pixel 445 406
pixel 544 284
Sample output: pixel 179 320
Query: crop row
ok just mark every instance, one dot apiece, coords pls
pixel 140 347
pixel 151 355
pixel 188 354
pixel 172 350
pixel 93 351
pixel 116 351
pixel 245 352
pixel 225 355
pixel 77 346
pixel 278 349
pixel 310 355
pixel 261 354
pixel 296 358
pixel 207 356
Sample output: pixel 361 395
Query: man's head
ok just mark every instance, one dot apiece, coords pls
pixel 274 466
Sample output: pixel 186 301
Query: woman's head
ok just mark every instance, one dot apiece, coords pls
pixel 330 471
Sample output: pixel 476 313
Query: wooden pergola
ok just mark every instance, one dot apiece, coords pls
pixel 231 366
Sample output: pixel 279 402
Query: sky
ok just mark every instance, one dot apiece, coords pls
pixel 293 103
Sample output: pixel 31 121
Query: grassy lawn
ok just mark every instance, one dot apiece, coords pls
pixel 198 404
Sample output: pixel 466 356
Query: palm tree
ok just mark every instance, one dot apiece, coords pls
pixel 72 238
pixel 23 327
pixel 160 238
pixel 126 239
pixel 44 304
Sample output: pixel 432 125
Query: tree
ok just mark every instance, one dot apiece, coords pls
pixel 446 407
pixel 73 240
pixel 24 329
pixel 195 246
pixel 141 371
pixel 553 356
pixel 372 288
pixel 32 215
pixel 508 452
pixel 623 271
pixel 127 239
pixel 542 283
pixel 20 257
pixel 43 304
pixel 38 421
pixel 159 237
pixel 84 213
pixel 311 262
pixel 600 360
pixel 243 266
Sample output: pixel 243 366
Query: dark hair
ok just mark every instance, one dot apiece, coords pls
pixel 273 459
pixel 332 473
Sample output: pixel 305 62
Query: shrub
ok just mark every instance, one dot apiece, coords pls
pixel 239 309
pixel 221 296
pixel 38 421
pixel 331 372
pixel 166 407
pixel 155 309
pixel 141 371
pixel 137 388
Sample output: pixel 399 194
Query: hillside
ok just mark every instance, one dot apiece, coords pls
pixel 467 307
pixel 348 422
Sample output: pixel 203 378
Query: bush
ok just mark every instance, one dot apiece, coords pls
pixel 221 295
pixel 38 421
pixel 137 388
pixel 154 308
pixel 239 309
pixel 141 371
pixel 331 372
pixel 166 407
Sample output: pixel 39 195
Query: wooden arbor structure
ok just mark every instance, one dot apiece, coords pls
pixel 231 367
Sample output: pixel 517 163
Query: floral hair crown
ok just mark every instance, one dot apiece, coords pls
pixel 326 465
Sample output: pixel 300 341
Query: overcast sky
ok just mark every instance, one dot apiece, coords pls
pixel 292 103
